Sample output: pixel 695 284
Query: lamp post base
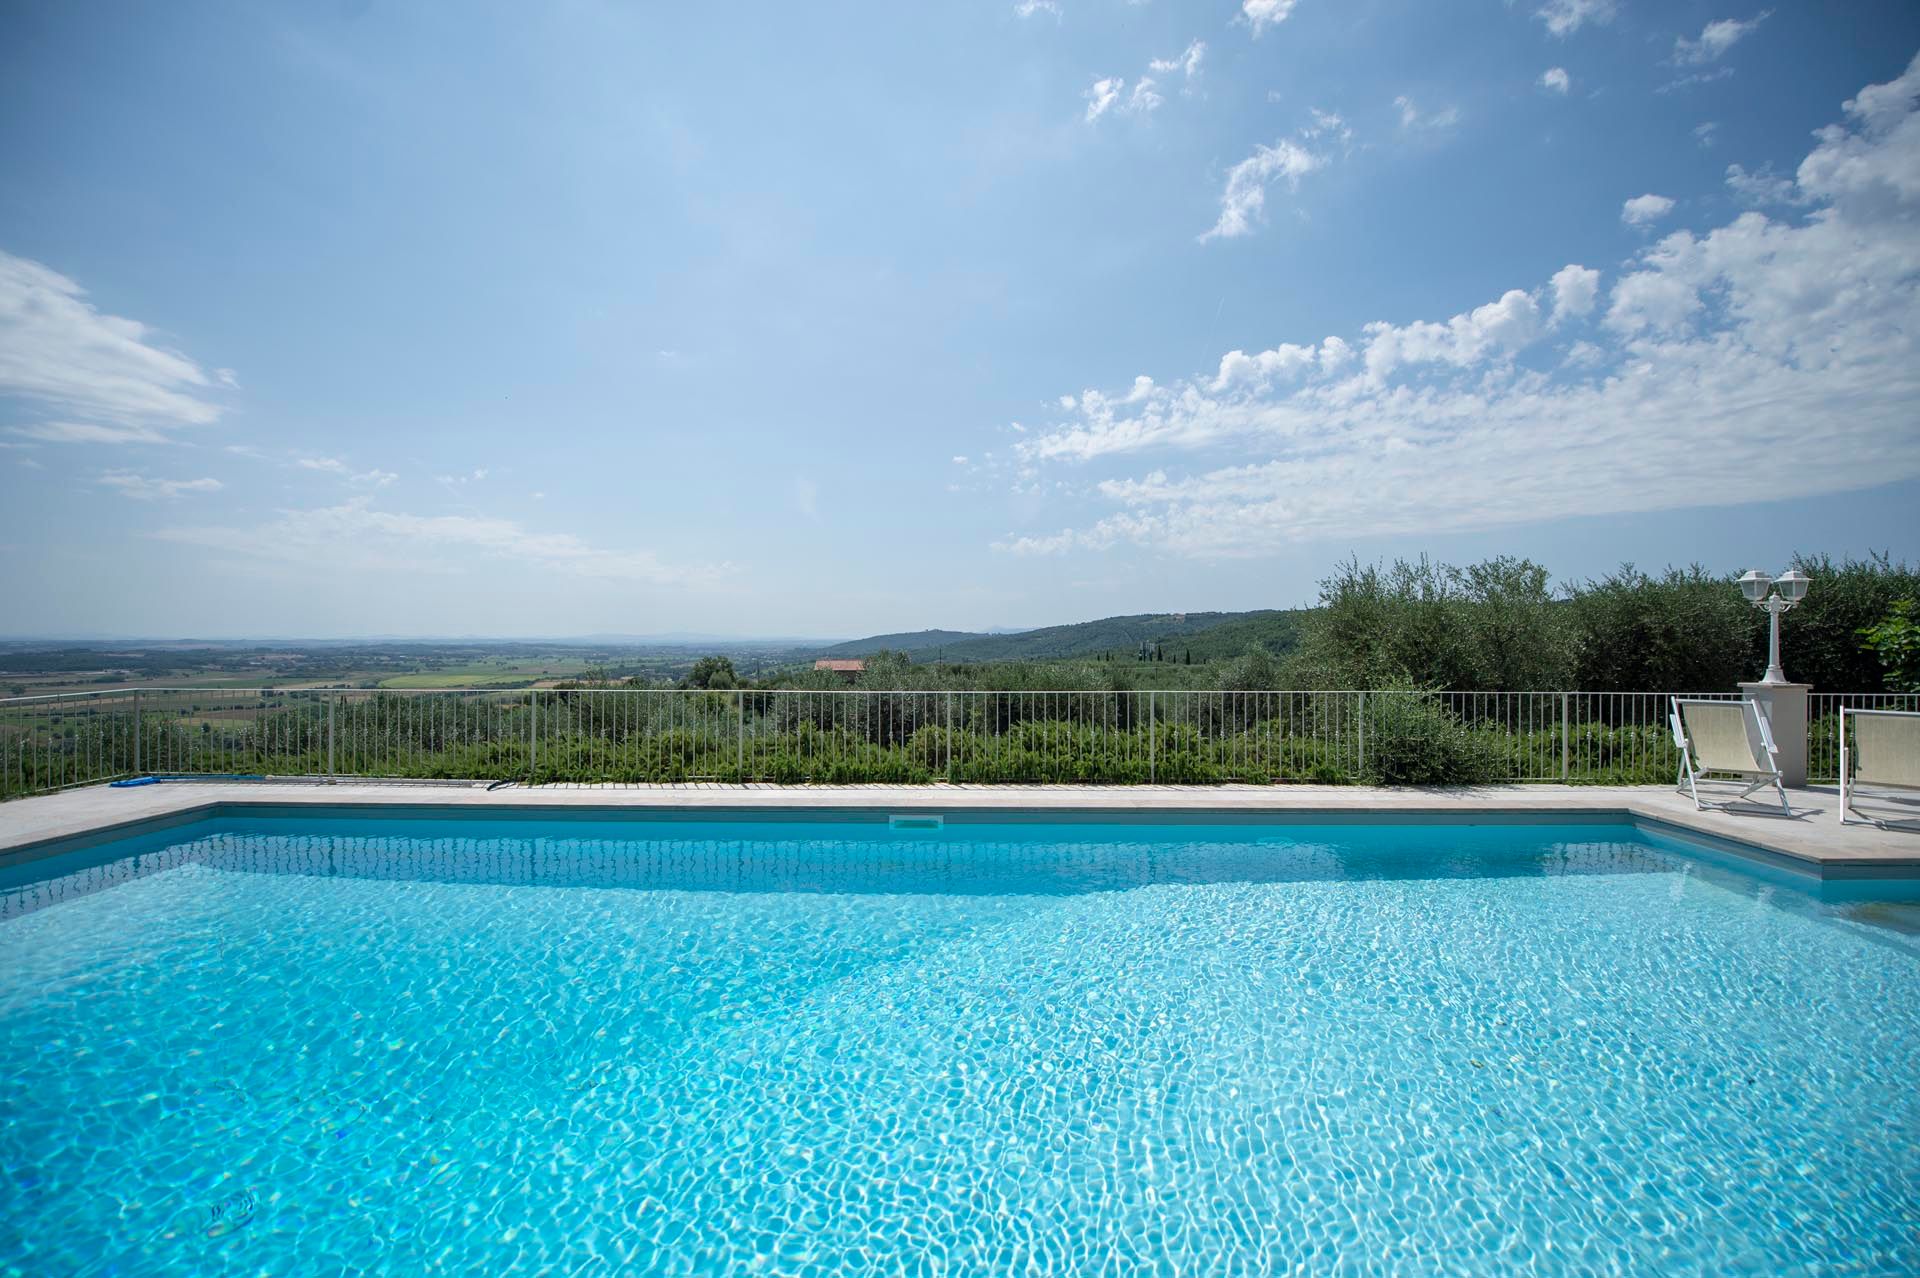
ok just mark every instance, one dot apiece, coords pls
pixel 1785 708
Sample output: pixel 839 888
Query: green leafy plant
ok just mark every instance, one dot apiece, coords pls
pixel 1687 630
pixel 1822 635
pixel 1490 625
pixel 712 672
pixel 1895 639
pixel 1412 739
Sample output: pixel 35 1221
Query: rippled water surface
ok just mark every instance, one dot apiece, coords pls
pixel 314 1046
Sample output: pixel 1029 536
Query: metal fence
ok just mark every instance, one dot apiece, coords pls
pixel 845 736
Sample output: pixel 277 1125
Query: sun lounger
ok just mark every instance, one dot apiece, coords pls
pixel 1879 749
pixel 1727 739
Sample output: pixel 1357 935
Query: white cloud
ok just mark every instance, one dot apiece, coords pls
pixel 1871 175
pixel 1245 197
pixel 1697 77
pixel 959 459
pixel 131 484
pixel 1028 8
pixel 1556 80
pixel 1327 124
pixel 1101 97
pixel 1880 109
pixel 1239 369
pixel 356 534
pixel 1495 330
pixel 375 478
pixel 89 433
pixel 1410 117
pixel 1786 348
pixel 461 481
pixel 1584 354
pixel 1761 187
pixel 1261 14
pixel 1575 288
pixel 86 368
pixel 1707 132
pixel 1656 300
pixel 1187 64
pixel 1564 17
pixel 1715 39
pixel 1110 93
pixel 1643 210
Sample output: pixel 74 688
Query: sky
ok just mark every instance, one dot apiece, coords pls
pixel 330 320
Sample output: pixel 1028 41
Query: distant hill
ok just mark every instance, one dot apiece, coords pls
pixel 914 642
pixel 1277 631
pixel 1209 635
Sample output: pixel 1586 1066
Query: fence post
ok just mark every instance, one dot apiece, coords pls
pixel 1153 745
pixel 740 753
pixel 949 738
pixel 333 735
pixel 533 732
pixel 136 733
pixel 1565 736
pixel 1361 720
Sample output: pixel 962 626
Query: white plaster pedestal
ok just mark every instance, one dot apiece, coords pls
pixel 1785 708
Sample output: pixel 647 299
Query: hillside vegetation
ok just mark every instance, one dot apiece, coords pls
pixel 1208 636
pixel 1497 625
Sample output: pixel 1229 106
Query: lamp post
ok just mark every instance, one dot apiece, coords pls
pixel 1783 703
pixel 1760 592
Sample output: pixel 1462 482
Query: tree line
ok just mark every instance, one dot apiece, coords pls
pixel 1497 625
pixel 1500 624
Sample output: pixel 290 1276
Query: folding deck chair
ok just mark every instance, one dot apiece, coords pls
pixel 1884 754
pixel 1729 738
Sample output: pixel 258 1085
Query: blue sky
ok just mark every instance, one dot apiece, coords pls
pixel 369 318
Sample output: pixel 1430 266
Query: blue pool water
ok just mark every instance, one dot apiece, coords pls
pixel 300 1045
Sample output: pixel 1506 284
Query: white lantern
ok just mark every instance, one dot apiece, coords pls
pixel 1754 585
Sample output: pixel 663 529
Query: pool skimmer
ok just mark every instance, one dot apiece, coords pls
pixel 903 821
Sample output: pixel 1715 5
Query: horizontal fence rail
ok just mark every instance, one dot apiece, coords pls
pixel 636 735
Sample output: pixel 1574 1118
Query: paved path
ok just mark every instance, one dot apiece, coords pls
pixel 1813 838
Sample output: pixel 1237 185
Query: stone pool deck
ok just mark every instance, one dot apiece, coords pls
pixel 1812 840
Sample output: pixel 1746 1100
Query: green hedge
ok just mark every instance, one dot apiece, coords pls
pixel 1410 738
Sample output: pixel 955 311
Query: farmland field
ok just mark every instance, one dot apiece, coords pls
pixel 35 669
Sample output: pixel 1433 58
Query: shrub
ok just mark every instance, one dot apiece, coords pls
pixel 711 672
pixel 1414 740
pixel 1686 631
pixel 1822 636
pixel 1493 625
pixel 1895 639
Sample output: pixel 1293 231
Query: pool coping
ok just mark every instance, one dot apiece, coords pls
pixel 1813 845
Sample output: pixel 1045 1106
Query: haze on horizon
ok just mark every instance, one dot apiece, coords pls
pixel 584 320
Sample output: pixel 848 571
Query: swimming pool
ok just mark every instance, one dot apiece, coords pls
pixel 305 1043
